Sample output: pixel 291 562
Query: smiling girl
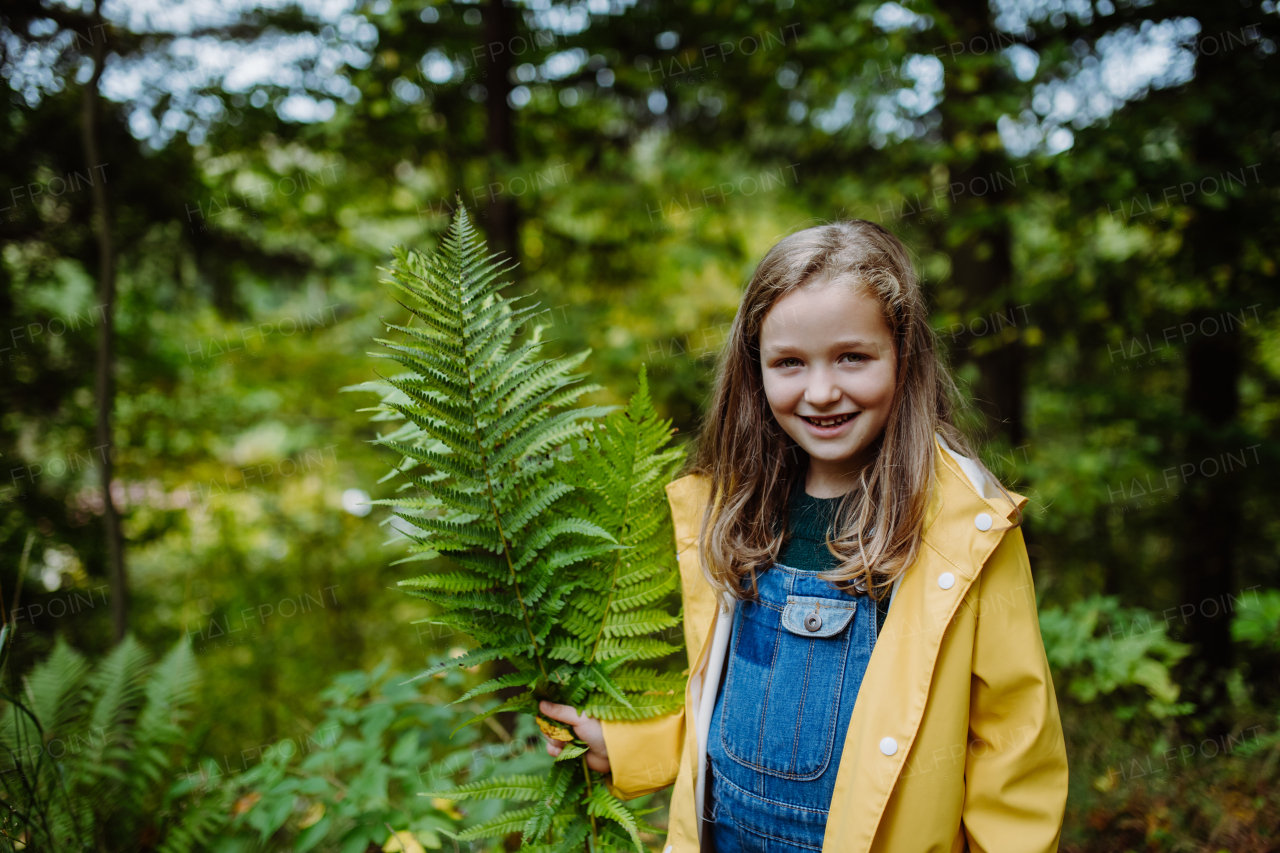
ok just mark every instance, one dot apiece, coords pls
pixel 867 672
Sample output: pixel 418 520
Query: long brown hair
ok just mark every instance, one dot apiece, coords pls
pixel 752 463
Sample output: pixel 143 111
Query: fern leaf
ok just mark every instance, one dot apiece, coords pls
pixel 469 659
pixel 117 684
pixel 548 518
pixel 502 788
pixel 558 782
pixel 570 752
pixel 603 804
pixel 646 593
pixel 523 702
pixel 641 648
pixel 515 679
pixel 502 825
pixel 52 686
pixel 638 622
pixel 450 582
pixel 641 707
pixel 638 679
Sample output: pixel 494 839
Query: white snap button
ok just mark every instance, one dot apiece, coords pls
pixel 669 849
pixel 983 521
pixel 888 746
pixel 946 580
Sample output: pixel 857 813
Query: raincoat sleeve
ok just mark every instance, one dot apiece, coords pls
pixel 644 755
pixel 1016 766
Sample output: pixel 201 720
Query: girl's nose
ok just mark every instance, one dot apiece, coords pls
pixel 821 390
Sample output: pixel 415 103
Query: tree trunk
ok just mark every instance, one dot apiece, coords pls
pixel 983 272
pixel 980 243
pixel 500 140
pixel 1210 505
pixel 105 379
pixel 1210 502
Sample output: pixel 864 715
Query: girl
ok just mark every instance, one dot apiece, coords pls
pixel 867 669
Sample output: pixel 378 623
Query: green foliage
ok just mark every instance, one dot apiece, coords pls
pixel 1257 620
pixel 621 474
pixel 92 753
pixel 555 524
pixel 221 377
pixel 361 773
pixel 1099 648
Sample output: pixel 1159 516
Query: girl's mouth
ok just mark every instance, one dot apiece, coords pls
pixel 830 425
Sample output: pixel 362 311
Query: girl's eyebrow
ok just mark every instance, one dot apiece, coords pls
pixel 850 343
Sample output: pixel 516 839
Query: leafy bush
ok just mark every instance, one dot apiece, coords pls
pixel 555 526
pixel 366 772
pixel 91 753
pixel 1099 648
pixel 1257 622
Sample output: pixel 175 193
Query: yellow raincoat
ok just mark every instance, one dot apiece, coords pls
pixel 955 742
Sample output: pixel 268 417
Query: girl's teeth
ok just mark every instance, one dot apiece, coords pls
pixel 830 421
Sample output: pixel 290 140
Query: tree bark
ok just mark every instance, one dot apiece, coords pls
pixel 983 271
pixel 1210 504
pixel 977 233
pixel 105 377
pixel 500 140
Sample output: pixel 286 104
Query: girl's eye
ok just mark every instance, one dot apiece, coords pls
pixel 853 356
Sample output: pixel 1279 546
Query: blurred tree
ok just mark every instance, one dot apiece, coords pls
pixel 638 160
pixel 1190 161
pixel 62 222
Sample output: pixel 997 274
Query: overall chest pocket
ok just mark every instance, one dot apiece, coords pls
pixel 782 690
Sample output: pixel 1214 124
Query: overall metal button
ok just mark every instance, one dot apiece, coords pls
pixel 813 621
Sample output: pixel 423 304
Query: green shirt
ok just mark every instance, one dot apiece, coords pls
pixel 805 546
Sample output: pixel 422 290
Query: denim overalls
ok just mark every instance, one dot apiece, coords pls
pixel 796 661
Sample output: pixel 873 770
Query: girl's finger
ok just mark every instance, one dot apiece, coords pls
pixel 560 713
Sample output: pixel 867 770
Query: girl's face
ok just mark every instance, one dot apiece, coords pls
pixel 829 365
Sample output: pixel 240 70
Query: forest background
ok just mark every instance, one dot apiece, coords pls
pixel 194 198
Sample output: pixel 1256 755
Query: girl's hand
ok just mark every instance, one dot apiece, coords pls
pixel 588 730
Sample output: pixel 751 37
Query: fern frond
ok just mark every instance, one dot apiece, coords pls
pixel 450 582
pixel 637 622
pixel 603 804
pixel 645 593
pixel 502 788
pixel 559 782
pixel 515 679
pixel 642 706
pixel 172 685
pixel 523 703
pixel 641 649
pixel 639 679
pixel 117 684
pixel 502 825
pixel 52 686
pixel 472 658
pixel 548 519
